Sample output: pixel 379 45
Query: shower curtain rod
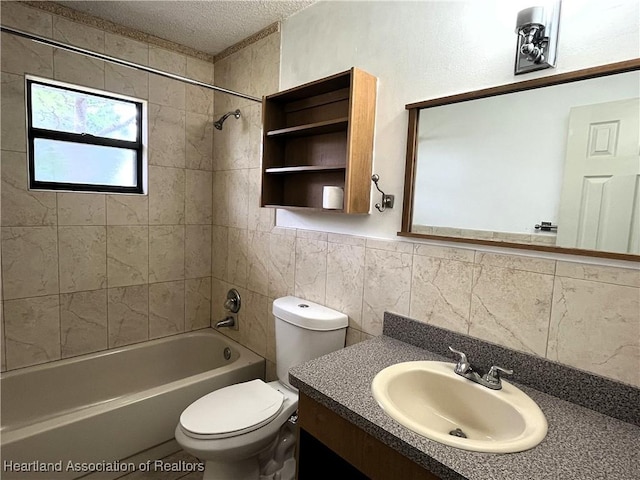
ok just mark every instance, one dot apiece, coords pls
pixel 125 63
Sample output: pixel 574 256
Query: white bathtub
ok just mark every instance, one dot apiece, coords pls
pixel 105 407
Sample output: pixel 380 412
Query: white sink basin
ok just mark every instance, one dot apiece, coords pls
pixel 432 400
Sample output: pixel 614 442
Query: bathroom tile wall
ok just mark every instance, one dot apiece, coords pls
pixel 579 314
pixel 582 315
pixel 88 272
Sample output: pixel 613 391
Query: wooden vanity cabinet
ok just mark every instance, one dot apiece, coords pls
pixel 331 447
pixel 318 134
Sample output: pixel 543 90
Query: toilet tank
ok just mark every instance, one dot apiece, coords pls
pixel 304 331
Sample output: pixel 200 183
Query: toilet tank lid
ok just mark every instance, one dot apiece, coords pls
pixel 309 315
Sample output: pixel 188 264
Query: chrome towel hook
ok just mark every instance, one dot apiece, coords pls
pixel 387 200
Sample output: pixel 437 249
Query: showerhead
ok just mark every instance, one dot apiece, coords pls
pixel 218 124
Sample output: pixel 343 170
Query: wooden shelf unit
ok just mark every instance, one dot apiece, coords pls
pixel 318 134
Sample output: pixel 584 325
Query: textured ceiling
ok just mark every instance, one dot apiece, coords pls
pixel 209 26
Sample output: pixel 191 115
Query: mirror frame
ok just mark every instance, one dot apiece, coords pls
pixel 412 144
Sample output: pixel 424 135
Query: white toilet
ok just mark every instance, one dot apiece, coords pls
pixel 232 429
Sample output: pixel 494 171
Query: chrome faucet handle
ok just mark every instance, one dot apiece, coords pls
pixel 463 365
pixel 493 377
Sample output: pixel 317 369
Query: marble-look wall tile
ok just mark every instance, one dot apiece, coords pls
pixel 197 252
pixel 344 239
pixel 127 255
pixel 282 263
pixel 237 257
pixel 511 307
pixel 219 251
pixel 77 70
pixel 233 72
pixel 389 245
pixel 32 331
pixel 21 207
pixel 516 262
pixel 167 92
pixel 166 309
pixel 220 213
pixel 83 258
pixel 126 48
pixel 197 303
pixel 83 322
pixel 199 99
pixel 258 262
pixel 265 65
pixel 22 17
pixel 311 269
pixel 3 348
pixel 123 80
pixel 261 219
pixel 166 196
pixel 596 327
pixel 82 209
pixel 13 113
pixel 447 253
pixel 74 68
pixel 29 261
pixel 353 336
pixel 271 374
pixel 598 273
pixel 345 280
pixel 128 315
pixel 253 117
pixel 166 253
pixel 237 201
pixel 253 321
pixel 167 60
pixel 199 188
pixel 199 141
pixel 271 333
pixel 126 81
pixel 78 34
pixel 127 210
pixel 312 235
pixel 441 292
pixel 200 70
pixel 166 136
pixel 387 285
pixel 22 56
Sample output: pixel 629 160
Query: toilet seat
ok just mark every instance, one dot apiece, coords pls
pixel 232 411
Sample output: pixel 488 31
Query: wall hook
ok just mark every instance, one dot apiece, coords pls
pixel 387 200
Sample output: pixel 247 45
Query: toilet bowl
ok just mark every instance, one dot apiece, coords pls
pixel 236 431
pixel 231 429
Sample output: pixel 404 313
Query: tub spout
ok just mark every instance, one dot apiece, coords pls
pixel 227 322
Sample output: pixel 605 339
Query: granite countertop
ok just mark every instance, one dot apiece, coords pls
pixel 580 443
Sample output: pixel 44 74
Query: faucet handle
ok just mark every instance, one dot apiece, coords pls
pixel 493 377
pixel 463 365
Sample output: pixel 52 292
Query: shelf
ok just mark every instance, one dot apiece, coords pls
pixel 312 168
pixel 316 135
pixel 318 128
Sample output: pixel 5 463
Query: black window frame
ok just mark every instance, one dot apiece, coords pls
pixel 87 139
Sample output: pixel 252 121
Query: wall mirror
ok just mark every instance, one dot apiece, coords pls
pixel 548 164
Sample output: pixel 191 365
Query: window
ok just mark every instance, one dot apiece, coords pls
pixel 82 139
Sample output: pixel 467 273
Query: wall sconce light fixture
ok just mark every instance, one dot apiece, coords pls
pixel 537 29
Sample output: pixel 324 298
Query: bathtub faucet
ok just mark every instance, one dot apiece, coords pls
pixel 227 322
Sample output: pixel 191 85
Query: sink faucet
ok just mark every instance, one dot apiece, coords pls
pixel 490 380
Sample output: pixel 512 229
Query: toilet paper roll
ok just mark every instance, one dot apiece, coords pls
pixel 332 197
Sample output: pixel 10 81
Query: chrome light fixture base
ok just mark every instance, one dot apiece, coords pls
pixel 537 29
